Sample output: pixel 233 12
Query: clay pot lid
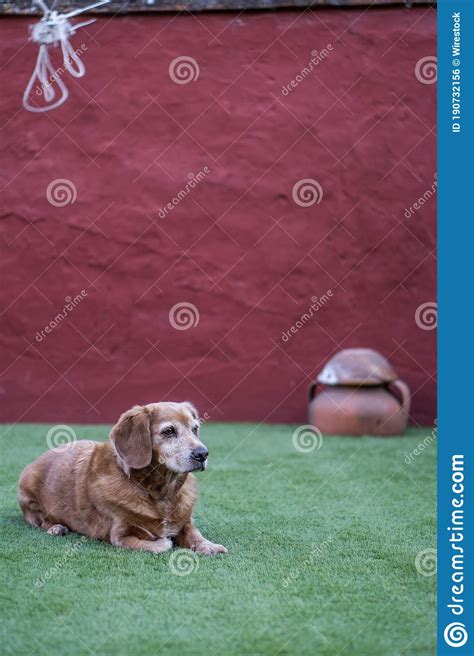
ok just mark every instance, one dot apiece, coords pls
pixel 357 366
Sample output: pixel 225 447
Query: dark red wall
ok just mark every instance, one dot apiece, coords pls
pixel 237 247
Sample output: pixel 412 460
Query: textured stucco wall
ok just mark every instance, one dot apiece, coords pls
pixel 237 246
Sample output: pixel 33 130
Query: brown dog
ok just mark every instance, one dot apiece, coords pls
pixel 135 491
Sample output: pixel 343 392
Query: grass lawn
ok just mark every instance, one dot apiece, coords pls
pixel 321 561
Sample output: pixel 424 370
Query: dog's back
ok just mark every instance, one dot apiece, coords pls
pixel 50 489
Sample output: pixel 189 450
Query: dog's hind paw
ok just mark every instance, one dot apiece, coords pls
pixel 57 529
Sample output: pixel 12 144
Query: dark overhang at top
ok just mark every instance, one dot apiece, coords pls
pixel 28 7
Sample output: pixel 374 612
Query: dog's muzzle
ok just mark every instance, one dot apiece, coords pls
pixel 199 457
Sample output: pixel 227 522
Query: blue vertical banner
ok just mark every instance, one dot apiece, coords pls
pixel 455 327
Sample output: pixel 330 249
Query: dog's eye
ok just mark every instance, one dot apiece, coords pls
pixel 195 430
pixel 169 432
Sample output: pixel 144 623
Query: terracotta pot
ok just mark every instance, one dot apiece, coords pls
pixel 346 410
pixel 357 393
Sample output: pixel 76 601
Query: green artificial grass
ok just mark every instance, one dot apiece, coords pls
pixel 321 561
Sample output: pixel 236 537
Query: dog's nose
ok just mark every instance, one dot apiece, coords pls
pixel 200 453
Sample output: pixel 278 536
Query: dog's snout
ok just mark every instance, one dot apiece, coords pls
pixel 200 453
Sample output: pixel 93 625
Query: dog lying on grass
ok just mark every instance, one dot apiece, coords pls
pixel 135 491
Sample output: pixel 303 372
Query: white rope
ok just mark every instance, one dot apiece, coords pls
pixel 45 74
pixel 54 29
pixel 69 56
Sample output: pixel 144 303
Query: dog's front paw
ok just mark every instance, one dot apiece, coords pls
pixel 208 548
pixel 161 545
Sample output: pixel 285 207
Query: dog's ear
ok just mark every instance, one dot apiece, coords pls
pixel 189 406
pixel 131 437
